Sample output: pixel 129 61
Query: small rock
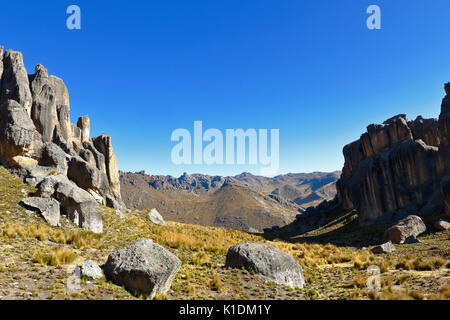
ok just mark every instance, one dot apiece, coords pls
pixel 91 269
pixel 411 240
pixel 155 217
pixel 442 225
pixel 387 247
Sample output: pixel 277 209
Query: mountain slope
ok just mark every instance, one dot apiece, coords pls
pixel 244 202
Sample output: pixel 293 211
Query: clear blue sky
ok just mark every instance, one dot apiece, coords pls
pixel 142 69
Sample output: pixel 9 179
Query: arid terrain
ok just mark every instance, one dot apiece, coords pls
pixel 243 202
pixel 37 261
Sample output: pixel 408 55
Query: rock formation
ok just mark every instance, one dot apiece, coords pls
pixel 398 168
pixel 268 261
pixel 38 143
pixel 410 226
pixel 144 268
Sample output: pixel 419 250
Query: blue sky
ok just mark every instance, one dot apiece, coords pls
pixel 312 69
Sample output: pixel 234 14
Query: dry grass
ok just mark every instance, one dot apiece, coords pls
pixel 216 283
pixel 161 296
pixel 421 264
pixel 56 257
pixel 200 258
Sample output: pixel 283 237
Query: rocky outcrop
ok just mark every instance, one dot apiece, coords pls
pixel 78 204
pixel 410 226
pixel 398 168
pixel 144 268
pixel 37 140
pixel 268 261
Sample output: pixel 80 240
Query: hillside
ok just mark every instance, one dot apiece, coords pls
pixel 36 261
pixel 244 202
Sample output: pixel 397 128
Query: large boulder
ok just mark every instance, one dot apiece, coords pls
pixel 155 217
pixel 144 268
pixel 49 208
pixel 410 226
pixel 79 206
pixel 89 178
pixel 267 261
pixel 17 134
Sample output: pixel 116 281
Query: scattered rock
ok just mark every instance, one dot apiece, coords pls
pixel 47 207
pixel 155 217
pixel 387 247
pixel 91 269
pixel 411 240
pixel 410 226
pixel 144 268
pixel 268 261
pixel 442 225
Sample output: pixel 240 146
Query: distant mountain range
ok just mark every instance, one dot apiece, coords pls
pixel 245 201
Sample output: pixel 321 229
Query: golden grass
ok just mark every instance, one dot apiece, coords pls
pixel 200 258
pixel 360 281
pixel 77 237
pixel 421 264
pixel 216 283
pixel 56 257
pixel 161 296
